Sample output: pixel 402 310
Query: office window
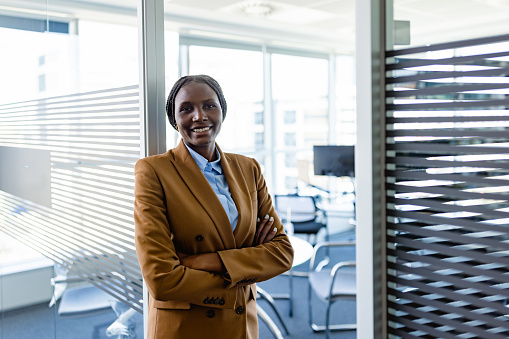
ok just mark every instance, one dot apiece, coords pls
pixel 259 140
pixel 239 72
pixel 42 82
pixel 290 160
pixel 290 139
pixel 290 117
pixel 300 101
pixel 259 120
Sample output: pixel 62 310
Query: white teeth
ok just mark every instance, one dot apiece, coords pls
pixel 201 129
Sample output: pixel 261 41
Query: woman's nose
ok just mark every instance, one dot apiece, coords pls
pixel 200 115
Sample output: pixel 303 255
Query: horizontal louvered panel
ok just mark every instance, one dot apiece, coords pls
pixel 484 41
pixel 436 206
pixel 458 176
pixel 442 262
pixel 456 118
pixel 421 162
pixel 430 92
pixel 465 105
pixel 501 72
pixel 458 132
pixel 93 141
pixel 447 184
pixel 461 60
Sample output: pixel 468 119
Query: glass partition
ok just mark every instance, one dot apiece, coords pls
pixel 69 137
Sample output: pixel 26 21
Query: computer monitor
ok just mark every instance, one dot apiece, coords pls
pixel 334 160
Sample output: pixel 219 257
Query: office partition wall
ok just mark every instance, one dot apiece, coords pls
pixel 432 203
pixel 69 138
pixel 447 165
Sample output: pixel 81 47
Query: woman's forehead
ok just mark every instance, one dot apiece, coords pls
pixel 196 90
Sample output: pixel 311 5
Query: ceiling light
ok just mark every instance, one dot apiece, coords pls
pixel 258 8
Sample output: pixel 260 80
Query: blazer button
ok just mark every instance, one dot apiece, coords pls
pixel 221 302
pixel 240 310
pixel 199 237
pixel 211 314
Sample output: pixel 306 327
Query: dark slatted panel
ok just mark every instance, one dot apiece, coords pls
pixel 447 184
pixel 93 140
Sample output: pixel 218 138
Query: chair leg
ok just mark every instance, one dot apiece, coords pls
pixel 272 327
pixel 290 281
pixel 264 295
pixel 310 307
pixel 327 318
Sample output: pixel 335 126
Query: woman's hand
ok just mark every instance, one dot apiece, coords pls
pixel 265 230
pixel 210 262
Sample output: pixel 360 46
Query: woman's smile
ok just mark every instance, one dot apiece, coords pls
pixel 203 129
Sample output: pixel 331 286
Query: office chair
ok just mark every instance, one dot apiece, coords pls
pixel 88 300
pixel 303 213
pixel 331 285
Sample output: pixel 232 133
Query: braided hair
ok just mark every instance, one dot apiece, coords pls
pixel 205 79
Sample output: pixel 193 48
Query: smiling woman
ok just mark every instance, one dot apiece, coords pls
pixel 206 229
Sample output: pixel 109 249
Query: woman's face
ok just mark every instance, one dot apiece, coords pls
pixel 198 116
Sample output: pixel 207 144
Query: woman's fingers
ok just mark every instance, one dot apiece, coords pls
pixel 260 228
pixel 266 231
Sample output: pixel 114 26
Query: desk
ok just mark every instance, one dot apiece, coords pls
pixel 302 250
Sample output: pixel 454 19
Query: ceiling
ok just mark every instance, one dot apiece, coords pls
pixel 321 24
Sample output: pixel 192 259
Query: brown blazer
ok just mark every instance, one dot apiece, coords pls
pixel 177 210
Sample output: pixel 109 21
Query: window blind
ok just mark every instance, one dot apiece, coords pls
pixel 85 225
pixel 447 185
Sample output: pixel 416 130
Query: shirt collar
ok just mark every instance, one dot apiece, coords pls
pixel 202 162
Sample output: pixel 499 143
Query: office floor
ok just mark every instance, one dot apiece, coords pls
pixel 41 322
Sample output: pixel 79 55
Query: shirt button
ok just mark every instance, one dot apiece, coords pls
pixel 199 237
pixel 240 310
pixel 211 314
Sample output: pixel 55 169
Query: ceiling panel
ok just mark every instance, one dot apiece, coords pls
pixel 202 4
pixel 340 7
pixel 310 20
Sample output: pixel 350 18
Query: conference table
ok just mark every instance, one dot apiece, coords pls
pixel 303 251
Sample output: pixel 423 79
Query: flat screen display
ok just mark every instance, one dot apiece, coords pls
pixel 334 160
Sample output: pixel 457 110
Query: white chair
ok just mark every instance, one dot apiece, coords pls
pixel 89 300
pixel 331 285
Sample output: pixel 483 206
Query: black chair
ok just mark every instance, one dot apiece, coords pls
pixel 303 213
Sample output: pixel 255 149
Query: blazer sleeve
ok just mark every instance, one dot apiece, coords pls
pixel 262 262
pixel 165 278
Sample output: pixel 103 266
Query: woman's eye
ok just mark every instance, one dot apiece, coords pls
pixel 210 106
pixel 185 109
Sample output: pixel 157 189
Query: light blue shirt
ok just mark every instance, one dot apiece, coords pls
pixel 214 174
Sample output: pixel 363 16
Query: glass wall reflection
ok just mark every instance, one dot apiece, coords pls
pixel 69 136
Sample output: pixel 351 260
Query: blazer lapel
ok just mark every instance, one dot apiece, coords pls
pixel 204 194
pixel 240 194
